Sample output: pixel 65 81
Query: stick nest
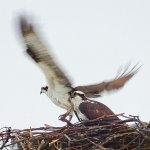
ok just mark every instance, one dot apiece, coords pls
pixel 99 134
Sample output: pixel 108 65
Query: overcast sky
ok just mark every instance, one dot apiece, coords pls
pixel 91 40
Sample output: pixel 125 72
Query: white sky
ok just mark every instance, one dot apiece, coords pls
pixel 91 40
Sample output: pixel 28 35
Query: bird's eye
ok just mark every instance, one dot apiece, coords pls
pixel 73 94
pixel 45 88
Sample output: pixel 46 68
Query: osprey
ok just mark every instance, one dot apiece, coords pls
pixel 88 109
pixel 60 89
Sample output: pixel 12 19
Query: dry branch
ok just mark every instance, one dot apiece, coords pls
pixel 101 134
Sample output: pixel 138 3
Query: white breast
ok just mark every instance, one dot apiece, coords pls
pixel 59 98
pixel 76 102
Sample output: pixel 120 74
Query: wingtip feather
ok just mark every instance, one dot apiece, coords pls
pixel 25 26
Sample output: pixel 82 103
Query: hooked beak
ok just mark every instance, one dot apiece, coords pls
pixel 41 92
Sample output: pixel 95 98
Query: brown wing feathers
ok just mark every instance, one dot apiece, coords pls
pixel 93 110
pixel 40 54
pixel 27 30
pixel 115 84
pixel 25 27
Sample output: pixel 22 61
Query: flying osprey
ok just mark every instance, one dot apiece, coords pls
pixel 60 89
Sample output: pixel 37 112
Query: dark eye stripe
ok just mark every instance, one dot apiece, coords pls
pixel 45 88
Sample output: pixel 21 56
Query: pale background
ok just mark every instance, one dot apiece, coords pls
pixel 91 40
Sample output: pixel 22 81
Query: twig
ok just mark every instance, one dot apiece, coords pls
pixel 7 138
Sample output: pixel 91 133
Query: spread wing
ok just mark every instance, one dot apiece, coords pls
pixel 37 50
pixel 93 91
pixel 92 110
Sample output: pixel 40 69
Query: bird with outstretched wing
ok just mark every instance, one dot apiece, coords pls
pixel 59 88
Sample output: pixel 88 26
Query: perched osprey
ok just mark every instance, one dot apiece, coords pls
pixel 60 89
pixel 88 109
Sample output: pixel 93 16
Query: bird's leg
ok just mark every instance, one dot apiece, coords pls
pixel 63 117
pixel 77 116
pixel 70 117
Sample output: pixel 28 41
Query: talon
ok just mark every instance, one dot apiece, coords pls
pixel 63 118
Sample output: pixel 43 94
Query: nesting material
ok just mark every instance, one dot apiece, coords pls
pixel 99 134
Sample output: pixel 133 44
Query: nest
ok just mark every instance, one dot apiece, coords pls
pixel 101 134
